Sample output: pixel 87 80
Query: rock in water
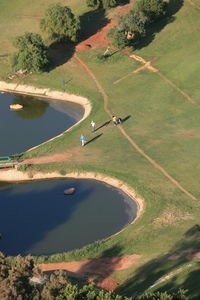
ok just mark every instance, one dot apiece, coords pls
pixel 69 191
pixel 16 106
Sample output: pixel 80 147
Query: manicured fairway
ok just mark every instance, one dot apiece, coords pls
pixel 161 112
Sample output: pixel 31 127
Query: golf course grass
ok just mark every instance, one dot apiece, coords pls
pixel 161 113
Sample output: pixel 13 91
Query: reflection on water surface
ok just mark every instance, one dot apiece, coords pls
pixel 37 218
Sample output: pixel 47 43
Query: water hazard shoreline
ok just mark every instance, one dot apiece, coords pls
pixel 17 176
pixel 44 221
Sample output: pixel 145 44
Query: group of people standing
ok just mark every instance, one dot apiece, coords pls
pixel 115 121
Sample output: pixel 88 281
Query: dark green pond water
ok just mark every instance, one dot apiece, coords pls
pixel 37 122
pixel 37 218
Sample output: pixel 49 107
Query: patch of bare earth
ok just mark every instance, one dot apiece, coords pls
pixel 188 133
pixel 171 217
pixel 52 158
pixel 98 270
pixel 100 39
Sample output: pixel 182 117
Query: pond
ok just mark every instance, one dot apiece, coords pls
pixel 37 218
pixel 38 121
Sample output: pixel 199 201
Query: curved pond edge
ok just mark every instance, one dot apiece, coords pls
pixel 48 94
pixel 18 176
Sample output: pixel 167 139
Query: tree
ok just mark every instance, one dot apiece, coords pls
pixel 16 285
pixel 103 3
pixel 118 38
pixel 60 23
pixel 130 27
pixel 52 288
pixel 4 268
pixel 134 22
pixel 32 53
pixel 152 8
pixel 93 3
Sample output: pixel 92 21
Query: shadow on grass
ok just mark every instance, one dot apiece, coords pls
pixel 59 54
pixel 125 119
pixel 101 126
pixel 91 22
pixel 93 139
pixel 172 7
pixel 124 2
pixel 180 254
pixel 103 266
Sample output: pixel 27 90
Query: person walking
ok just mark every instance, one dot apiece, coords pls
pixel 114 119
pixel 82 138
pixel 93 126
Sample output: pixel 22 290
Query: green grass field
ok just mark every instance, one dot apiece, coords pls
pixel 161 120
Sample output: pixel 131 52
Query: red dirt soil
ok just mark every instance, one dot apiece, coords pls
pixel 98 270
pixel 99 39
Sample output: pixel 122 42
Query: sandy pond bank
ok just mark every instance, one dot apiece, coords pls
pixel 13 175
pixel 47 93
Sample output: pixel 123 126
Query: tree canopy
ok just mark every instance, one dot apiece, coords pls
pixel 60 23
pixel 152 8
pixel 32 53
pixel 130 26
pixel 15 284
pixel 103 3
pixel 133 22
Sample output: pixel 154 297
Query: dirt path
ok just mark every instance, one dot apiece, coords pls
pixel 132 142
pixel 148 65
pixel 193 4
pixel 184 94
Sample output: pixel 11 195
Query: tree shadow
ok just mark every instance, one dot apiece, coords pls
pixel 151 32
pixel 123 2
pixel 172 7
pixel 32 108
pixel 100 268
pixel 91 22
pixel 147 275
pixel 93 139
pixel 101 126
pixel 96 270
pixel 59 54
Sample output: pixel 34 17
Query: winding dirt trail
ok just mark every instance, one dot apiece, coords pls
pixel 125 134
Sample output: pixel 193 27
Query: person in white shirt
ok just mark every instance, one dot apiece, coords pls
pixel 93 125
